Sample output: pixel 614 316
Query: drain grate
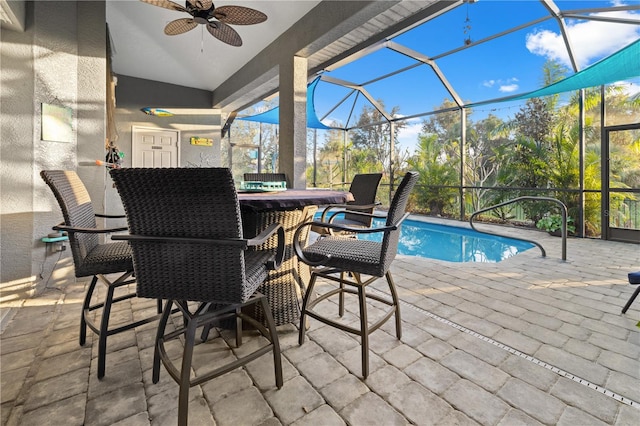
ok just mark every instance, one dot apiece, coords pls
pixel 537 361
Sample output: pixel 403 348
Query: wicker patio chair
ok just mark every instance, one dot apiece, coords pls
pixel 345 260
pixel 92 258
pixel 188 248
pixel 364 188
pixel 265 177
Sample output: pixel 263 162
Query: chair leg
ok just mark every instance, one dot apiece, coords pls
pixel 238 328
pixel 85 310
pixel 162 325
pixel 396 304
pixel 104 330
pixel 364 331
pixel 341 296
pixel 630 301
pixel 271 324
pixel 305 302
pixel 185 372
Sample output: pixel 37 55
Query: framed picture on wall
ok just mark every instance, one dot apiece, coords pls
pixel 57 123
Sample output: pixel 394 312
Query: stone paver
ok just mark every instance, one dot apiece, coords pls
pixel 475 402
pixel 371 409
pixel 296 398
pixel 529 372
pixel 514 313
pixel 476 370
pixel 573 416
pixel 321 370
pixel 401 356
pixel 485 351
pixel 227 411
pixel 419 405
pixel 431 375
pixel 129 401
pixel 594 403
pixel 539 405
pixel 573 364
pixel 56 389
pixel 517 418
pixel 345 390
pixel 323 415
pixel 614 361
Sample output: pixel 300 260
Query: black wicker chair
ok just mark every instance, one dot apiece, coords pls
pixel 92 258
pixel 186 235
pixel 345 260
pixel 364 188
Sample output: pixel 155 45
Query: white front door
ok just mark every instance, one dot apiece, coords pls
pixel 154 147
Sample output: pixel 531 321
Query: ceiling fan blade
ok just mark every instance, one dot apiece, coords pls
pixel 239 15
pixel 167 4
pixel 201 4
pixel 224 33
pixel 180 26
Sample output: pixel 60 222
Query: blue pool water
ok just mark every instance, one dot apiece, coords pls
pixel 452 243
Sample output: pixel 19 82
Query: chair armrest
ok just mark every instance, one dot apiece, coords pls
pixel 349 207
pixel 296 238
pixel 110 216
pixel 241 243
pixel 356 213
pixel 264 236
pixel 72 229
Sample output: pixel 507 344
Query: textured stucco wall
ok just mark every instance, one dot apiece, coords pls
pixel 59 59
pixel 16 147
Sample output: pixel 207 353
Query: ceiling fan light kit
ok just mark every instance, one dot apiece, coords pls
pixel 216 20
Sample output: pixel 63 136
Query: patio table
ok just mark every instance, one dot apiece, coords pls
pixel 285 286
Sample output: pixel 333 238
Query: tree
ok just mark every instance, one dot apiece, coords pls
pixel 482 163
pixel 330 158
pixel 372 137
pixel 437 175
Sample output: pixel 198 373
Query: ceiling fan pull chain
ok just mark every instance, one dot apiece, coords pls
pixel 201 39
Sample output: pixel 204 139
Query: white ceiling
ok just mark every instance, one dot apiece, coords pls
pixel 194 59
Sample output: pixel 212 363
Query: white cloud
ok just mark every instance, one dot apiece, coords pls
pixel 591 40
pixel 630 88
pixel 408 136
pixel 508 88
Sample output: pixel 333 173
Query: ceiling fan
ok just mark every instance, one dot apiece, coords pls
pixel 216 19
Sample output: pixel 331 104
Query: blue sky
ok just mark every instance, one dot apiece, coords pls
pixel 502 67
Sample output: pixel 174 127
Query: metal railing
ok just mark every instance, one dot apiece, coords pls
pixel 563 209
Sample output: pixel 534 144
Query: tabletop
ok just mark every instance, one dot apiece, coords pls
pixel 291 198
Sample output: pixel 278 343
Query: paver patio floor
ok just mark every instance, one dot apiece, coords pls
pixel 529 340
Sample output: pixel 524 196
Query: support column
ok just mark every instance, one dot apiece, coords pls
pixel 292 158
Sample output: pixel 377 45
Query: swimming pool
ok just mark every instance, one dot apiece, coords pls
pixel 452 243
